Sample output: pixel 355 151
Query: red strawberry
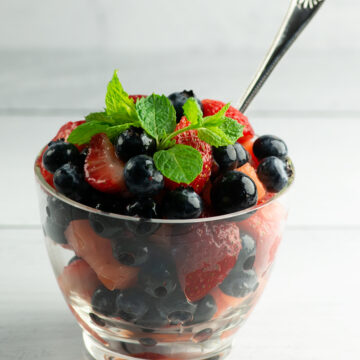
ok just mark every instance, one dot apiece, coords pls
pixel 211 107
pixel 103 169
pixel 67 129
pixel 63 133
pixel 190 138
pixel 204 256
pixel 266 227
pixel 135 98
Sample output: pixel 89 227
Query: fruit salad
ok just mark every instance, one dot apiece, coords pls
pixel 162 217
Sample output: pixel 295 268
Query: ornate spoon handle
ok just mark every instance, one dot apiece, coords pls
pixel 299 15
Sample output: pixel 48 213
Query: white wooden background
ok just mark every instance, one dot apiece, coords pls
pixel 55 60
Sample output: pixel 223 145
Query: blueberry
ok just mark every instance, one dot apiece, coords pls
pixel 97 320
pixel 206 309
pixel 134 141
pixel 247 254
pixel 69 180
pixel 233 192
pixel 144 208
pixel 106 226
pixel 131 304
pixel 108 203
pixel 230 157
pixel 182 203
pixel 55 231
pixel 83 155
pixel 268 145
pixel 73 259
pixel 141 176
pixel 272 172
pixel 130 251
pixel 178 99
pixel 241 154
pixel 58 211
pixel 158 278
pixel 176 308
pixel 152 319
pixel 226 157
pixel 59 154
pixel 103 301
pixel 240 284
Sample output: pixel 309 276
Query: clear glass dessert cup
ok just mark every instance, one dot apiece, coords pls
pixel 138 307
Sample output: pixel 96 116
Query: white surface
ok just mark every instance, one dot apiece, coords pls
pixel 308 312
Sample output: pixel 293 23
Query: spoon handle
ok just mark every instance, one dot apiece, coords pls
pixel 298 16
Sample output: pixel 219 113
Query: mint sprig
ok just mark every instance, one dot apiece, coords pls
pixel 157 116
pixel 180 163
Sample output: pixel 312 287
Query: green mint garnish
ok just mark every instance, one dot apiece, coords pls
pixel 193 112
pixel 100 117
pixel 117 101
pixel 181 163
pixel 157 116
pixel 83 133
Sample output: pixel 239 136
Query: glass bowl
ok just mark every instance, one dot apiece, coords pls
pixel 159 289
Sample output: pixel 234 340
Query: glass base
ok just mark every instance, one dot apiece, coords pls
pixel 128 350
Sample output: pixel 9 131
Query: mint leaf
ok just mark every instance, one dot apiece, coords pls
pixel 214 136
pixel 118 102
pixel 99 116
pixel 218 118
pixel 226 134
pixel 232 129
pixel 83 133
pixel 157 115
pixel 192 111
pixel 181 163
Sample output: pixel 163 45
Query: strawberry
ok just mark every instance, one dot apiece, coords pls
pixel 204 256
pixel 211 107
pixel 63 133
pixel 135 98
pixel 190 138
pixel 266 227
pixel 103 169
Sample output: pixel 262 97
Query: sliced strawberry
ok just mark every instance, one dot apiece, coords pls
pixel 248 170
pixel 135 98
pixel 266 227
pixel 190 138
pixel 104 171
pixel 204 256
pixel 63 133
pixel 211 107
pixel 97 252
pixel 78 278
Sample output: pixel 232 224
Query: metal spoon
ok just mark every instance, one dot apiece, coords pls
pixel 299 15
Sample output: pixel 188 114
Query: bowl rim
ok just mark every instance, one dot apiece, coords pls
pixel 50 190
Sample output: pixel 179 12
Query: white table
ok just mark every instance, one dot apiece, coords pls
pixel 310 310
